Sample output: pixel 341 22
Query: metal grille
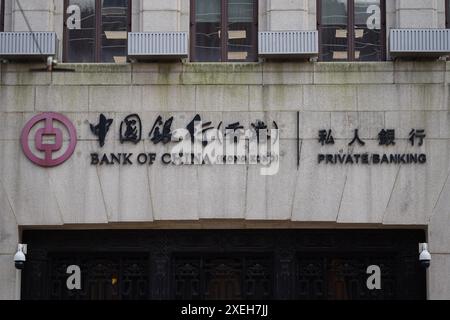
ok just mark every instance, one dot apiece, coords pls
pixel 343 277
pixel 158 44
pixel 28 44
pixel 105 276
pixel 419 42
pixel 228 277
pixel 294 43
pixel 224 264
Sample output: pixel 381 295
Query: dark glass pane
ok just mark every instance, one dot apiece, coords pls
pixel 2 15
pixel 207 23
pixel 114 31
pixel 334 34
pixel 241 30
pixel 81 31
pixel 368 30
pixel 447 13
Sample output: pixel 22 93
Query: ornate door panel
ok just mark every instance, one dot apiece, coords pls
pixel 103 276
pixel 343 277
pixel 227 277
pixel 224 264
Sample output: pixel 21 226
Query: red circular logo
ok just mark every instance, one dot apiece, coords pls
pixel 49 131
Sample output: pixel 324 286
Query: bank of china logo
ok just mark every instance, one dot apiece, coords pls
pixel 49 139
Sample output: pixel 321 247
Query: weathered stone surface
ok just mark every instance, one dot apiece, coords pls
pixel 287 77
pixel 438 236
pixel 343 124
pixel 312 122
pixel 287 19
pixel 222 98
pixel 439 281
pixel 417 188
pixel 37 20
pixel 174 189
pixel 339 96
pixel 169 98
pixel 319 189
pixel 271 197
pixel 24 76
pixel 28 187
pixel 7 277
pixel 222 191
pixel 418 76
pixel 330 98
pixel 417 18
pixel 135 188
pixel 404 122
pixel 62 98
pixel 282 97
pixel 88 75
pixel 370 124
pixel 115 98
pixel 155 20
pixel 17 98
pixel 160 5
pixel 401 97
pixel 11 124
pixel 9 231
pixel 351 77
pixel 77 188
pixel 123 191
pixel 368 189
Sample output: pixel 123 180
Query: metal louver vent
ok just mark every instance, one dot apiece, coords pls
pixel 302 44
pixel 419 42
pixel 157 45
pixel 28 45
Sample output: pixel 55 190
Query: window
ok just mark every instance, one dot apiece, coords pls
pixel 224 30
pixel 2 15
pixel 96 30
pixel 447 14
pixel 352 30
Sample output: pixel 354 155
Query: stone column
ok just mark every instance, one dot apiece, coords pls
pixel 39 14
pixel 439 246
pixel 161 15
pixel 441 14
pixel 9 235
pixel 287 15
pixel 417 13
pixel 8 10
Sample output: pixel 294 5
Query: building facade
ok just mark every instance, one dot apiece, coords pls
pixel 361 117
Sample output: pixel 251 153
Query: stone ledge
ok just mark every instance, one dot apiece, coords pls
pixel 252 67
pixel 97 67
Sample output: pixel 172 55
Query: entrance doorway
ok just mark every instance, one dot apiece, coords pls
pixel 225 265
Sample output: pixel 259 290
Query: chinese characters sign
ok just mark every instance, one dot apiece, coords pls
pixel 386 138
pixel 203 142
pixel 200 142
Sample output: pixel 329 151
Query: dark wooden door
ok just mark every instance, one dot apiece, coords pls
pixel 223 277
pixel 104 276
pixel 224 264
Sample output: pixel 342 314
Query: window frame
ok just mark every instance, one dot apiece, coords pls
pixel 2 15
pixel 223 40
pixel 98 28
pixel 447 13
pixel 351 31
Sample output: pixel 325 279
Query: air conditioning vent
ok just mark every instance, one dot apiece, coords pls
pixel 157 45
pixel 28 45
pixel 419 42
pixel 288 44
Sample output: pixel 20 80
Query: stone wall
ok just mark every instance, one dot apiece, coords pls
pixel 341 96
